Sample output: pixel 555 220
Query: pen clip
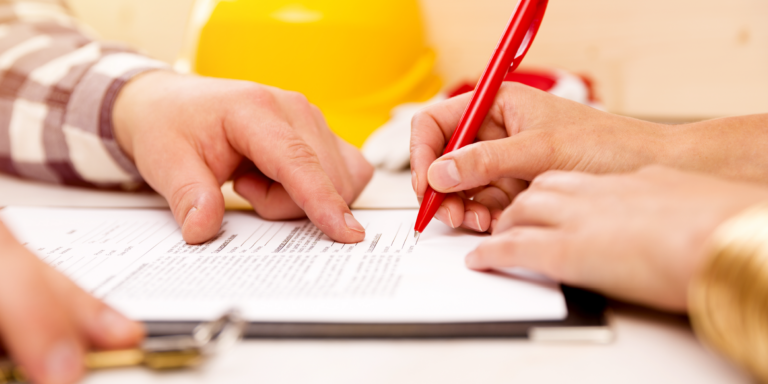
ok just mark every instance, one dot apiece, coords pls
pixel 530 34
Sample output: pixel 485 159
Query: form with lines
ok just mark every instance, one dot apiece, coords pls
pixel 138 262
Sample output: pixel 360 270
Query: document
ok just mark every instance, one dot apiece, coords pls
pixel 286 271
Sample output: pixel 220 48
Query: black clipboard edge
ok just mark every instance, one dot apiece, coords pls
pixel 586 321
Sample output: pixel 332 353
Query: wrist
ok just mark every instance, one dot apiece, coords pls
pixel 132 101
pixel 731 147
pixel 640 143
pixel 727 299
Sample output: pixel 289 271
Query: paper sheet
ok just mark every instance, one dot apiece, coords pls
pixel 137 261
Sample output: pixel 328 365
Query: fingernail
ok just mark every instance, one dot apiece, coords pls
pixel 444 175
pixel 415 181
pixel 352 223
pixel 118 327
pixel 63 364
pixel 472 220
pixel 189 215
pixel 444 215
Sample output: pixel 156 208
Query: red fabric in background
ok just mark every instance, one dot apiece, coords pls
pixel 536 79
pixel 542 80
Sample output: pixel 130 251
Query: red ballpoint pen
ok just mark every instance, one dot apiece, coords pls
pixel 512 48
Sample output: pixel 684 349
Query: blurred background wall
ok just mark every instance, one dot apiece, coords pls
pixel 659 59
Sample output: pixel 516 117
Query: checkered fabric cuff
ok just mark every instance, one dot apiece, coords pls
pixel 57 91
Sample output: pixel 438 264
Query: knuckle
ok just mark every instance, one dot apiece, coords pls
pixel 514 93
pixel 545 179
pixel 298 151
pixel 522 201
pixel 298 99
pixel 506 218
pixel 254 91
pixel 317 113
pixel 522 207
pixel 254 94
pixel 295 155
pixel 424 128
pixel 418 120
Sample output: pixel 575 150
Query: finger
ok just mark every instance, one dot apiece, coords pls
pixel 537 208
pixel 537 249
pixel 477 217
pixel 360 169
pixel 37 330
pixel 451 212
pixel 471 193
pixel 269 199
pixel 313 128
pixel 193 192
pixel 500 193
pixel 344 164
pixel 520 157
pixel 431 128
pixel 104 327
pixel 421 158
pixel 495 217
pixel 285 157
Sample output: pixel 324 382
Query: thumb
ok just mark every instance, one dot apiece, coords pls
pixel 522 156
pixel 193 193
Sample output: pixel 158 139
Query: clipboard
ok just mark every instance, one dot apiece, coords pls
pixel 587 321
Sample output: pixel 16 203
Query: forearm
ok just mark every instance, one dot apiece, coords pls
pixel 56 99
pixel 734 148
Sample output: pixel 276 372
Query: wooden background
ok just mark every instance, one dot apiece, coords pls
pixel 661 59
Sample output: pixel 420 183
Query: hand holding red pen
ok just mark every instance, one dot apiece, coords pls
pixel 514 44
pixel 526 133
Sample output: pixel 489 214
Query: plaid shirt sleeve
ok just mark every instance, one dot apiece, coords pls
pixel 57 90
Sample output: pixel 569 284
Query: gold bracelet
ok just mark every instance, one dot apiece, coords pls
pixel 728 300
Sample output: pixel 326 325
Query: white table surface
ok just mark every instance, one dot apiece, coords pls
pixel 649 347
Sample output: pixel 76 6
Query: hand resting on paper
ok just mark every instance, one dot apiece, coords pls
pixel 47 322
pixel 639 237
pixel 188 135
pixel 529 132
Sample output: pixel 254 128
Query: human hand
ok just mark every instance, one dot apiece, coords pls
pixel 527 132
pixel 47 322
pixel 640 237
pixel 188 135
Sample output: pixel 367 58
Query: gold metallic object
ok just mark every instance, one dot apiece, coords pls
pixel 114 359
pixel 9 373
pixel 160 353
pixel 728 301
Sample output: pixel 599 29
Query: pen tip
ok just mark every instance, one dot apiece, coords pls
pixel 416 234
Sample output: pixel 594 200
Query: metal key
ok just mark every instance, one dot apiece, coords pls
pixel 160 353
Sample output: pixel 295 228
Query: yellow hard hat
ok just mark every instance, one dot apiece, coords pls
pixel 356 60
